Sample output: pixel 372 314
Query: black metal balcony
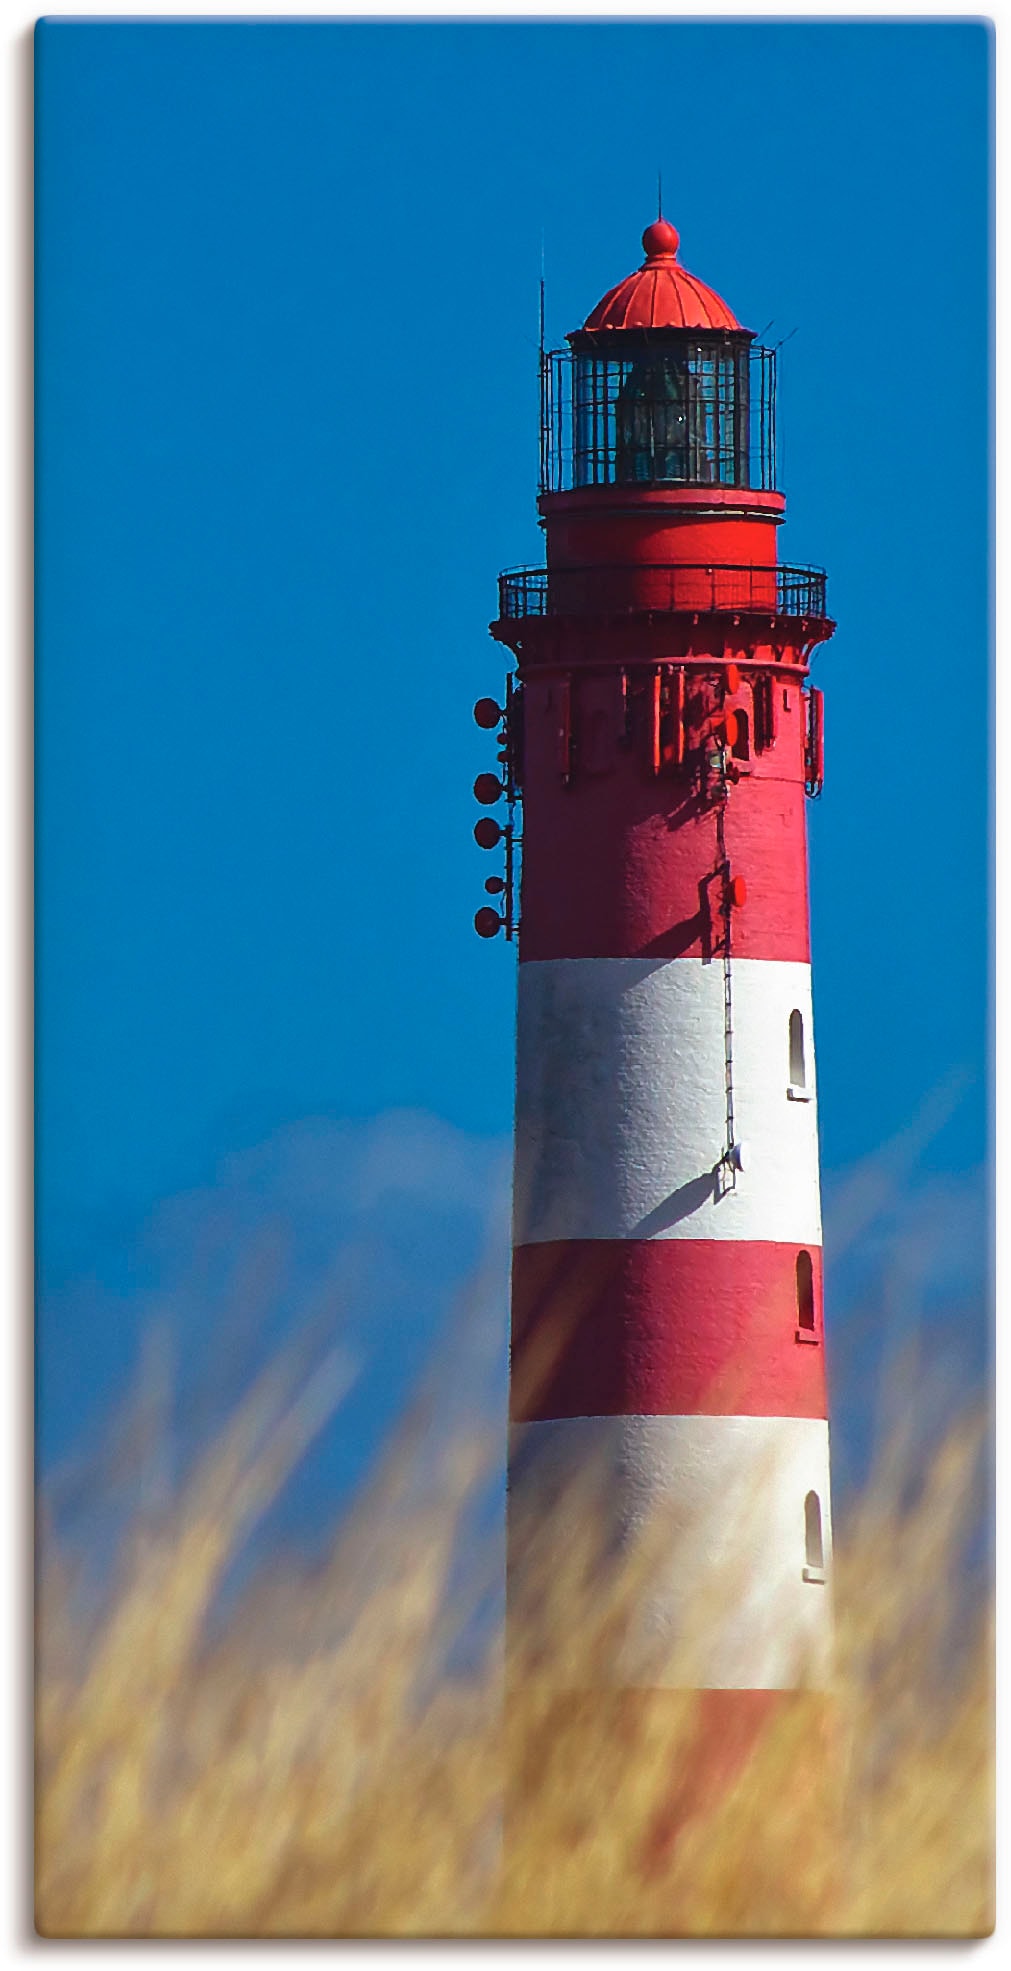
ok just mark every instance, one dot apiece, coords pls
pixel 698 589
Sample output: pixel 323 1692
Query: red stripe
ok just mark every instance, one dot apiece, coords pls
pixel 712 1735
pixel 729 1728
pixel 663 1327
pixel 621 863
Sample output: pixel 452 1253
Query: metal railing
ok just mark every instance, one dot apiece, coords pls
pixel 635 590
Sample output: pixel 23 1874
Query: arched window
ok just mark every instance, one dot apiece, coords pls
pixel 798 1076
pixel 805 1292
pixel 814 1545
pixel 742 743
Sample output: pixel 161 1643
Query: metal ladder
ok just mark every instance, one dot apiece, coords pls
pixel 726 1169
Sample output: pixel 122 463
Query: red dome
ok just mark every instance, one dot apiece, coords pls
pixel 661 293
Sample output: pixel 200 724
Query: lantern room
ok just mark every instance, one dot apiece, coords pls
pixel 660 387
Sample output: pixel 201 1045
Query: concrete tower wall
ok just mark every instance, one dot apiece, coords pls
pixel 667 1319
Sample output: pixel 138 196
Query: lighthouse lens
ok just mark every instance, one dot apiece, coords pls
pixel 652 429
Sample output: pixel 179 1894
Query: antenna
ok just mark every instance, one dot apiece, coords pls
pixel 540 318
pixel 659 192
pixel 542 377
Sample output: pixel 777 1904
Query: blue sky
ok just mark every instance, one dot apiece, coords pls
pixel 287 438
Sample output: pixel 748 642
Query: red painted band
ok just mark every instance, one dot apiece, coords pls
pixel 665 1327
pixel 712 1735
pixel 629 535
pixel 623 861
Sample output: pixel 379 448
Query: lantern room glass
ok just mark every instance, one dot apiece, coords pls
pixel 661 417
pixel 637 408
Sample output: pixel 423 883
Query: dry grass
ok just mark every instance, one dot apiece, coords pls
pixel 311 1763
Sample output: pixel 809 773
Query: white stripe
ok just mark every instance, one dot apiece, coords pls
pixel 621 1102
pixel 728 1598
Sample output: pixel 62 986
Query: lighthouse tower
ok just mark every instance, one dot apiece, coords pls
pixel 658 743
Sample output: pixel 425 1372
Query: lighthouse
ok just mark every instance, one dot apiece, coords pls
pixel 657 744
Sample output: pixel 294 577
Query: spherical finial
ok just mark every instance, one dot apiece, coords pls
pixel 660 240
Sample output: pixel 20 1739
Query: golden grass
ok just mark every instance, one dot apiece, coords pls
pixel 311 1764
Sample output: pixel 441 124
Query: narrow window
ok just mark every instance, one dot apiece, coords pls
pixel 759 701
pixel 805 1292
pixel 798 1076
pixel 763 693
pixel 742 746
pixel 814 1545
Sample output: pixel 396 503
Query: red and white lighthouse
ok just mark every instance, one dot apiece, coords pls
pixel 660 738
